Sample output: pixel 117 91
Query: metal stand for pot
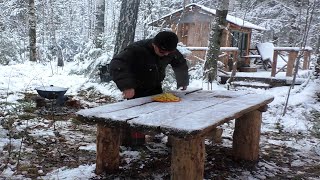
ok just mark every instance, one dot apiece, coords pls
pixel 52 114
pixel 53 93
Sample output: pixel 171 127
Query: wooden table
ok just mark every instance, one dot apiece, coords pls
pixel 188 122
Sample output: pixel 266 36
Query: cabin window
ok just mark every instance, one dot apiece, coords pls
pixel 240 40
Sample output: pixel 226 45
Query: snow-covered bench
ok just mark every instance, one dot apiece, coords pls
pixel 187 122
pixel 266 52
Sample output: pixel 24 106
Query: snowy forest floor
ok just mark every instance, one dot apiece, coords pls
pixel 57 140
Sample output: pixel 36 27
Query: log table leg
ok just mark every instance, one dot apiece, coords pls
pixel 246 136
pixel 108 145
pixel 187 159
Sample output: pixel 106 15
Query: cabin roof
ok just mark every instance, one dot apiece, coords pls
pixel 232 19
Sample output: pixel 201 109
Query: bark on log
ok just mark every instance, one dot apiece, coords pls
pixel 187 160
pixel 108 145
pixel 246 136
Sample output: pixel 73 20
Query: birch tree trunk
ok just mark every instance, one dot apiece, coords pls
pixel 32 31
pixel 218 25
pixel 91 10
pixel 127 24
pixel 99 26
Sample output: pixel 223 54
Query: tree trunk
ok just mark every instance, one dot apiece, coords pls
pixel 218 25
pixel 99 26
pixel 318 45
pixel 125 36
pixel 91 18
pixel 32 31
pixel 59 56
pixel 127 24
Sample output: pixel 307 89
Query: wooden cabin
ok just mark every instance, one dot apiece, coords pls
pixel 192 24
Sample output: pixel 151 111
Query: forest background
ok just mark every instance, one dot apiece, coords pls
pixel 66 28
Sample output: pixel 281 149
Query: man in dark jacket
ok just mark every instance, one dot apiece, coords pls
pixel 139 69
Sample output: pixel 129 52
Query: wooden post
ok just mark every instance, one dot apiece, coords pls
pixel 246 136
pixel 215 135
pixel 225 60
pixel 291 59
pixel 247 61
pixel 235 61
pixel 108 145
pixel 306 58
pixel 187 161
pixel 274 63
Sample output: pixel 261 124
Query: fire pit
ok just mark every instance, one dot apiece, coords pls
pixel 52 92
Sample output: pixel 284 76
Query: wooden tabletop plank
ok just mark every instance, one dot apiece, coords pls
pixel 125 104
pixel 100 111
pixel 211 115
pixel 144 107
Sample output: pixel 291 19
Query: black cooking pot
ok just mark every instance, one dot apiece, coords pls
pixel 51 92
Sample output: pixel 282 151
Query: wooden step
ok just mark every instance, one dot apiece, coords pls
pixel 248 69
pixel 251 84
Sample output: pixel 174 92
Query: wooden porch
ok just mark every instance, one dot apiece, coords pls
pixel 230 56
pixel 293 53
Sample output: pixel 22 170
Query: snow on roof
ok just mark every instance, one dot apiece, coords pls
pixel 206 48
pixel 232 19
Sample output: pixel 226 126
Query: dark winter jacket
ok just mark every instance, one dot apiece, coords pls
pixel 140 68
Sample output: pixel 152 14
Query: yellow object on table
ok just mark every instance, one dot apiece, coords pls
pixel 166 97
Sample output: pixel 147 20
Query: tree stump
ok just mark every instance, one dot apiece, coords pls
pixel 246 136
pixel 187 160
pixel 108 145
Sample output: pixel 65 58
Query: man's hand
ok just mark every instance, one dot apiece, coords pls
pixel 128 93
pixel 183 88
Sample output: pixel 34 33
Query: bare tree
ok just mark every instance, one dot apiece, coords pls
pixel 218 25
pixel 127 24
pixel 32 31
pixel 99 26
pixel 91 7
pixel 311 6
